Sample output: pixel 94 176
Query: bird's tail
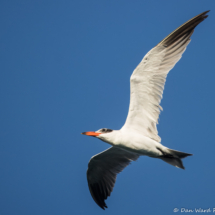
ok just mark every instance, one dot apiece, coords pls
pixel 174 157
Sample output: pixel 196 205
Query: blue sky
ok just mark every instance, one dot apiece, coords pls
pixel 64 69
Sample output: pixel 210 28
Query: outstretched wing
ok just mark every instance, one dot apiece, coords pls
pixel 148 79
pixel 102 171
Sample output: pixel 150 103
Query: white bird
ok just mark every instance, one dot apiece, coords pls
pixel 139 135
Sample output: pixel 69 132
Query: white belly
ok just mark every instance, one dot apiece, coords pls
pixel 140 144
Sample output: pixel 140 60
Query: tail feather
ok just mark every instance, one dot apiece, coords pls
pixel 174 157
pixel 179 154
pixel 173 161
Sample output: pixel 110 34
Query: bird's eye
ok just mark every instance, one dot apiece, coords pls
pixel 105 130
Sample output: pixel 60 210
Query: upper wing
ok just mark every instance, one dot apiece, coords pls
pixel 102 171
pixel 148 79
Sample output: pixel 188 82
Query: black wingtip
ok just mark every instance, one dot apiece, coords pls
pixel 103 207
pixel 185 29
pixel 207 11
pixel 203 13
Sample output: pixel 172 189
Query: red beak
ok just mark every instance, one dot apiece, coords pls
pixel 91 133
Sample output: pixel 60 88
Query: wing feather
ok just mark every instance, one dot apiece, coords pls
pixel 148 79
pixel 102 171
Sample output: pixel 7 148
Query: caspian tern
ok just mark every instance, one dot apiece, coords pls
pixel 139 135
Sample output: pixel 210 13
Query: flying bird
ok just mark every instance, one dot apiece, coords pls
pixel 139 135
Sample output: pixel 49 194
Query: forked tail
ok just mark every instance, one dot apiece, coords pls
pixel 174 157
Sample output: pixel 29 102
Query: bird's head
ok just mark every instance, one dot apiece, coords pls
pixel 104 134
